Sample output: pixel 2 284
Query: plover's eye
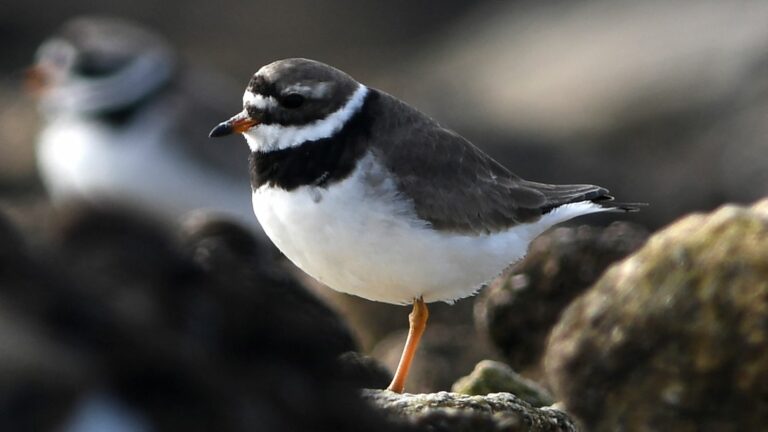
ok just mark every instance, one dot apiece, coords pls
pixel 291 101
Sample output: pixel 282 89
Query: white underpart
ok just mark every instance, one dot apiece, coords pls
pixel 366 240
pixel 269 137
pixel 138 165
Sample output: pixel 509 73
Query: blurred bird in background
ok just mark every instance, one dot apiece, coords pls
pixel 121 124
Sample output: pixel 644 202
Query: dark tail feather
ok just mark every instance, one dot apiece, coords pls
pixel 557 195
pixel 619 206
pixel 606 201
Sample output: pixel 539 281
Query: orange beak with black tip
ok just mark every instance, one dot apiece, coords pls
pixel 237 124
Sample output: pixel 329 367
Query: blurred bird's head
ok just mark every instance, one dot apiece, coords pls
pixel 95 65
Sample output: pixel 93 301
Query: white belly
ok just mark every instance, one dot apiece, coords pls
pixel 366 241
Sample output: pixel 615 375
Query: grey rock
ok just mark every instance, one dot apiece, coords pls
pixel 493 377
pixel 446 411
pixel 676 336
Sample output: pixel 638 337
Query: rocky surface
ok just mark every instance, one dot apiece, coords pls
pixel 676 336
pixel 454 412
pixel 494 377
pixel 519 309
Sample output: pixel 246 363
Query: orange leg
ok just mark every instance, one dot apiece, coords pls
pixel 418 320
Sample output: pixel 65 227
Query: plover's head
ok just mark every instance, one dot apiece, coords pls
pixel 293 101
pixel 95 65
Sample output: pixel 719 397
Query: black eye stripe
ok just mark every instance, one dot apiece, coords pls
pixel 260 86
pixel 292 100
pixel 94 66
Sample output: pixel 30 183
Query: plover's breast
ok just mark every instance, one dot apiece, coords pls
pixel 360 236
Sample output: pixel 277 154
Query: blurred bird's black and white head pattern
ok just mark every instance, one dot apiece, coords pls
pixel 298 100
pixel 124 124
pixel 99 64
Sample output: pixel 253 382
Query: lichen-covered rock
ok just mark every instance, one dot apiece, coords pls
pixel 490 376
pixel 676 336
pixel 455 412
pixel 519 309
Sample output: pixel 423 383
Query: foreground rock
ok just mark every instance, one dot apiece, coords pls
pixel 363 371
pixel 453 412
pixel 493 377
pixel 676 336
pixel 519 310
pixel 120 326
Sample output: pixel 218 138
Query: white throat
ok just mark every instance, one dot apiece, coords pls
pixel 277 137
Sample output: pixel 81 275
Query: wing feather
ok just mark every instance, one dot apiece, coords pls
pixel 453 184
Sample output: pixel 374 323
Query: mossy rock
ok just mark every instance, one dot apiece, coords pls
pixel 490 376
pixel 675 337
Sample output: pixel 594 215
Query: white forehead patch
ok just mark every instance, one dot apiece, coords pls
pixel 58 52
pixel 272 137
pixel 265 70
pixel 258 101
